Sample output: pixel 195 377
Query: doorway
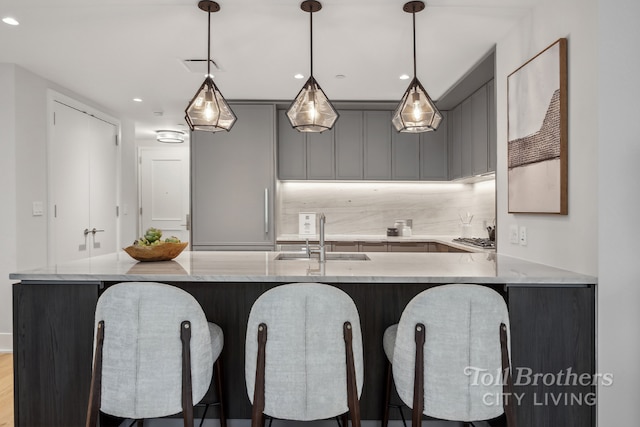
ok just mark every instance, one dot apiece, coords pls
pixel 164 191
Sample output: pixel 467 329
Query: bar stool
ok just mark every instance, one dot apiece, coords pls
pixel 303 358
pixel 448 339
pixel 154 354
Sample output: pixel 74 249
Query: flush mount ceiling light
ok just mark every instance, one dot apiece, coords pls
pixel 208 110
pixel 311 110
pixel 416 112
pixel 10 21
pixel 170 136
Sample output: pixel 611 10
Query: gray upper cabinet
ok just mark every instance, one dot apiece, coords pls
pixel 320 155
pixel 479 131
pixel 292 150
pixel 377 147
pixel 455 142
pixel 433 152
pixel 472 134
pixel 493 139
pixel 405 156
pixel 232 183
pixel 349 145
pixel 467 138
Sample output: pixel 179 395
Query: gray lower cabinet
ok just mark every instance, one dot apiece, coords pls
pixel 434 152
pixel 349 148
pixel 233 185
pixel 377 147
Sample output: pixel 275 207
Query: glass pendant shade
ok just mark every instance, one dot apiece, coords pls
pixel 311 110
pixel 416 112
pixel 208 110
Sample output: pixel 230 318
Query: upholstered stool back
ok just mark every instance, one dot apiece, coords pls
pixel 305 371
pixel 462 344
pixel 142 352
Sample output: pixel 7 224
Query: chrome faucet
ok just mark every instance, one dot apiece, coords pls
pixel 320 249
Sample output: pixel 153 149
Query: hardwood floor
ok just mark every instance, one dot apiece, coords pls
pixel 6 390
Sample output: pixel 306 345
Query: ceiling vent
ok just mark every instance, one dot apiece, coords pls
pixel 200 66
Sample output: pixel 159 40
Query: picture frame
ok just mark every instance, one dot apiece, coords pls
pixel 537 134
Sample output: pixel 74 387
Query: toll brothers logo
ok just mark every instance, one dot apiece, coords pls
pixel 555 381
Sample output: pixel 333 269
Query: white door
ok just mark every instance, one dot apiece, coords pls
pixel 164 191
pixel 82 185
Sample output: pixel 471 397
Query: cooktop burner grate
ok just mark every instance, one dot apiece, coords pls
pixel 478 242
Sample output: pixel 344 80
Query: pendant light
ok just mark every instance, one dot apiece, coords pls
pixel 311 110
pixel 208 110
pixel 416 112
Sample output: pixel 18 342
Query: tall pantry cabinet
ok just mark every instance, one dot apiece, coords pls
pixel 232 183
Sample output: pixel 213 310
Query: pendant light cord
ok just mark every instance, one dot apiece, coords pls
pixel 311 40
pixel 413 13
pixel 209 44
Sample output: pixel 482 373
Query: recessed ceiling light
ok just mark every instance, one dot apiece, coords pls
pixel 340 76
pixel 404 76
pixel 137 99
pixel 299 76
pixel 9 20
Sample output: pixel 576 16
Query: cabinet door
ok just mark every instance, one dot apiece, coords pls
pixel 345 246
pixel 405 156
pixel 433 153
pixel 377 147
pixel 373 247
pixel 491 111
pixel 455 142
pixel 408 247
pixel 467 138
pixel 232 183
pixel 349 145
pixel 479 136
pixel 320 155
pixel 292 151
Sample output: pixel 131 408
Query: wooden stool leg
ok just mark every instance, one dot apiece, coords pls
pixel 187 389
pixel 507 386
pixel 257 413
pixel 218 374
pixel 352 388
pixel 387 395
pixel 96 380
pixel 418 381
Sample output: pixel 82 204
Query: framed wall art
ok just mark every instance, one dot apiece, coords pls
pixel 537 133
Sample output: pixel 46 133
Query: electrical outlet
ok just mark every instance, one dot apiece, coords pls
pixel 523 236
pixel 513 234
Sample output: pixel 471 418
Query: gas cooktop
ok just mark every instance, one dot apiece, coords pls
pixel 477 242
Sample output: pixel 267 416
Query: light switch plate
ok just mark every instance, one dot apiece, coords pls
pixel 37 209
pixel 513 234
pixel 523 236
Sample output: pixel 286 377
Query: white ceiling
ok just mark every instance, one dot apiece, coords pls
pixel 112 51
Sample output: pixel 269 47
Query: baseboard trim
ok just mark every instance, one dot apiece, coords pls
pixel 6 342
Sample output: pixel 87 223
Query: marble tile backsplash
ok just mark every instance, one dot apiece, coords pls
pixel 371 207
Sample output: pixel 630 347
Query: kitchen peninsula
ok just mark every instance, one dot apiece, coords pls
pixel 552 320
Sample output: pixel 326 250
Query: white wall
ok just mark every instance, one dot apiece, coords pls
pixel 618 91
pixel 570 241
pixel 23 123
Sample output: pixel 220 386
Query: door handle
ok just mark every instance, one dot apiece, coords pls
pixel 266 211
pixel 94 231
pixel 86 231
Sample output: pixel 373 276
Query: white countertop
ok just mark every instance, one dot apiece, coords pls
pixel 237 266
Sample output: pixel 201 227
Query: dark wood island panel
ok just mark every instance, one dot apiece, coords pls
pixel 553 328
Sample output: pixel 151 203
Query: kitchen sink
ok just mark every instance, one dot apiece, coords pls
pixel 330 256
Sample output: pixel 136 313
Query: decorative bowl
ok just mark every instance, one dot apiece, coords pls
pixel 162 252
